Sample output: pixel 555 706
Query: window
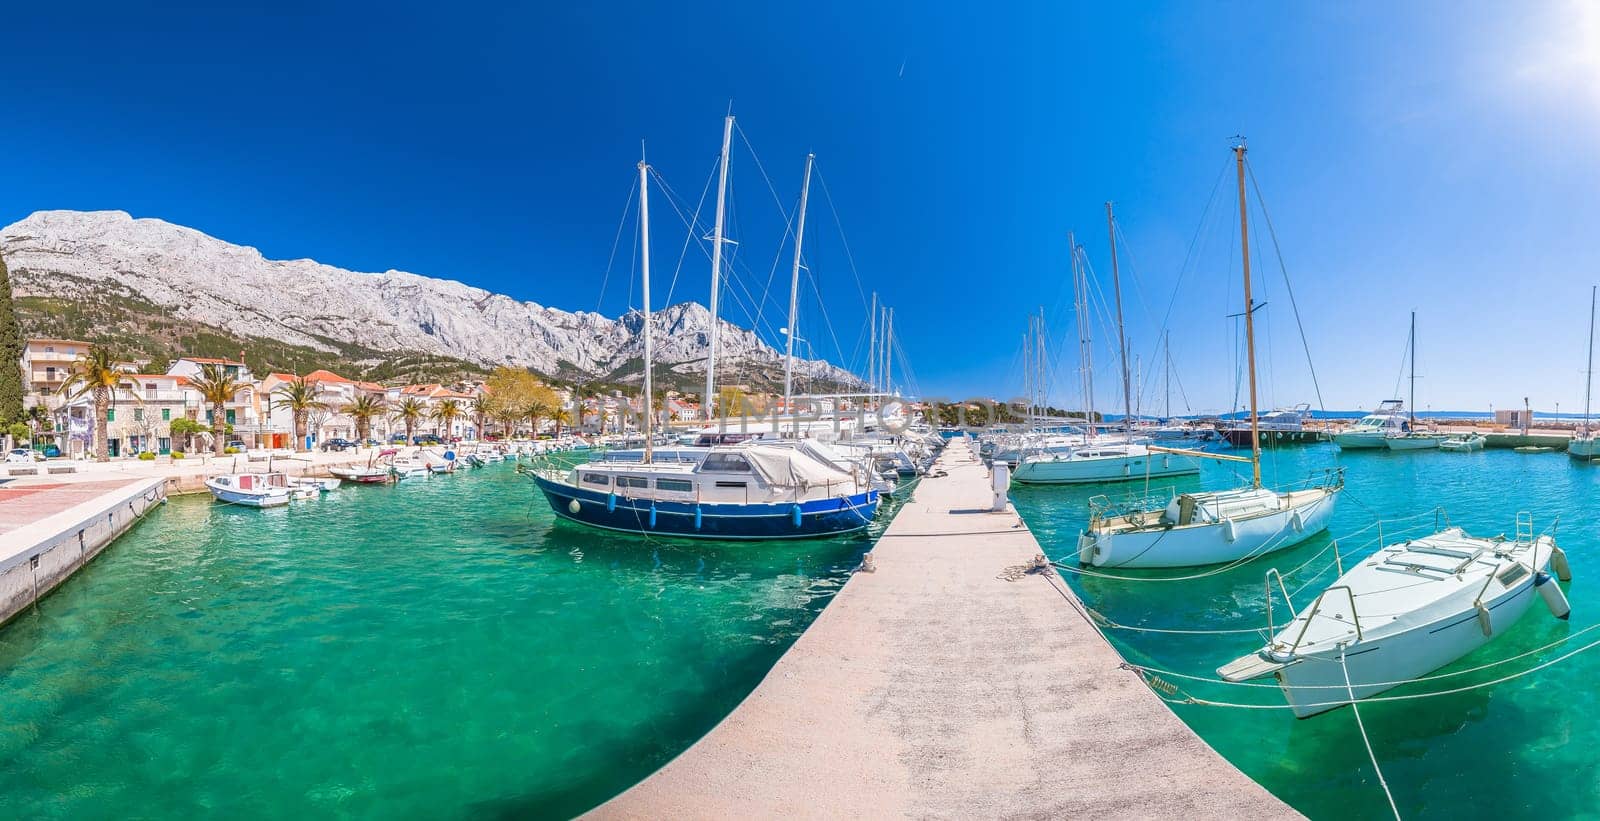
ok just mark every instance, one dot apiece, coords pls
pixel 150 386
pixel 731 484
pixel 675 485
pixel 596 479
pixel 138 414
pixel 725 463
pixel 50 373
pixel 49 349
pixel 632 481
pixel 230 416
pixel 111 414
pixel 166 413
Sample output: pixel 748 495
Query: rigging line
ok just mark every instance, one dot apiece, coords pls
pixel 1195 242
pixel 821 309
pixel 842 239
pixel 693 224
pixel 1261 202
pixel 763 169
pixel 627 208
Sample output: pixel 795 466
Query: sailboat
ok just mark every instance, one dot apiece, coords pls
pixel 1114 461
pixel 1410 438
pixel 744 491
pixel 1585 447
pixel 1411 608
pixel 1215 526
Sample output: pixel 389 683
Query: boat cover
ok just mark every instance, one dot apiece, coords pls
pixel 789 467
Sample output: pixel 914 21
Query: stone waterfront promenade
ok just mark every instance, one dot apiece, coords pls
pixel 951 682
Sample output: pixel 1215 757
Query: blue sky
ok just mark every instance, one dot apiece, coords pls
pixel 1427 156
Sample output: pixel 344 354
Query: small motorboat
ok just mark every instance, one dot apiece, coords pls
pixel 361 475
pixel 250 489
pixel 1533 449
pixel 408 469
pixel 1463 442
pixel 315 484
pixel 1415 440
pixel 474 460
pixel 448 465
pixel 1410 609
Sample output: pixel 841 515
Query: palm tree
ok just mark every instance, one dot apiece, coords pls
pixel 95 373
pixel 508 418
pixel 481 409
pixel 561 416
pixel 533 412
pixel 217 387
pixel 364 409
pixel 446 413
pixel 299 397
pixel 410 411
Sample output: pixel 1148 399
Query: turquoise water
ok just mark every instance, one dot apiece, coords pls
pixel 1513 749
pixel 436 649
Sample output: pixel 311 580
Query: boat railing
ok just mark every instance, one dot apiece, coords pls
pixel 1316 607
pixel 1103 507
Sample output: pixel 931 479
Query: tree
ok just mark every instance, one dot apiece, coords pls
pixel 561 416
pixel 95 373
pixel 299 397
pixel 184 429
pixel 10 352
pixel 481 409
pixel 508 419
pixel 535 410
pixel 446 413
pixel 20 432
pixel 410 411
pixel 217 387
pixel 364 409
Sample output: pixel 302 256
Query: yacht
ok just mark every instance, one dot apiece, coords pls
pixel 1374 429
pixel 1284 426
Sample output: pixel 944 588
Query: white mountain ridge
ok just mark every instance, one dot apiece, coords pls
pixel 197 277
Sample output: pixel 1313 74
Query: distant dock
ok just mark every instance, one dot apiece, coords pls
pixel 955 680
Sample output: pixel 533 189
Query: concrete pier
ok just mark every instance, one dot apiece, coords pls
pixel 51 528
pixel 952 681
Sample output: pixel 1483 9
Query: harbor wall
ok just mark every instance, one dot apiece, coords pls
pixel 37 558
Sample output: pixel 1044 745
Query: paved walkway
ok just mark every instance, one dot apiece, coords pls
pixel 27 503
pixel 950 683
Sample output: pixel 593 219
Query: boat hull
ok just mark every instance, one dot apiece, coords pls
pixel 1413 442
pixel 1584 450
pixel 1361 439
pixel 1048 471
pixel 234 497
pixel 1316 684
pixel 1240 438
pixel 1211 543
pixel 817 518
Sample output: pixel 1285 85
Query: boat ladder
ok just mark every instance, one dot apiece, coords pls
pixel 1525 534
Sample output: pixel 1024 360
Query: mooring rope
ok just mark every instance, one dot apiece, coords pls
pixel 1360 725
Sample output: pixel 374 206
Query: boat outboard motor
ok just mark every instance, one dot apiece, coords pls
pixel 1552 595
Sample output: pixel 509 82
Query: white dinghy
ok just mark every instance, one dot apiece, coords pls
pixel 1404 612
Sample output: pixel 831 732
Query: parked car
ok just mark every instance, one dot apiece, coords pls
pixel 397 439
pixel 52 452
pixel 338 445
pixel 236 444
pixel 19 456
pixel 425 439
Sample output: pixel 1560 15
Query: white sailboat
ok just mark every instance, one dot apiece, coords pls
pixel 1410 609
pixel 1585 447
pixel 1410 438
pixel 1097 462
pixel 1215 526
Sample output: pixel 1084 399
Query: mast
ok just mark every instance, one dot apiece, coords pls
pixel 708 399
pixel 649 335
pixel 888 354
pixel 794 296
pixel 1166 344
pixel 1411 411
pixel 1122 337
pixel 1249 322
pixel 872 348
pixel 1085 343
pixel 1588 387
